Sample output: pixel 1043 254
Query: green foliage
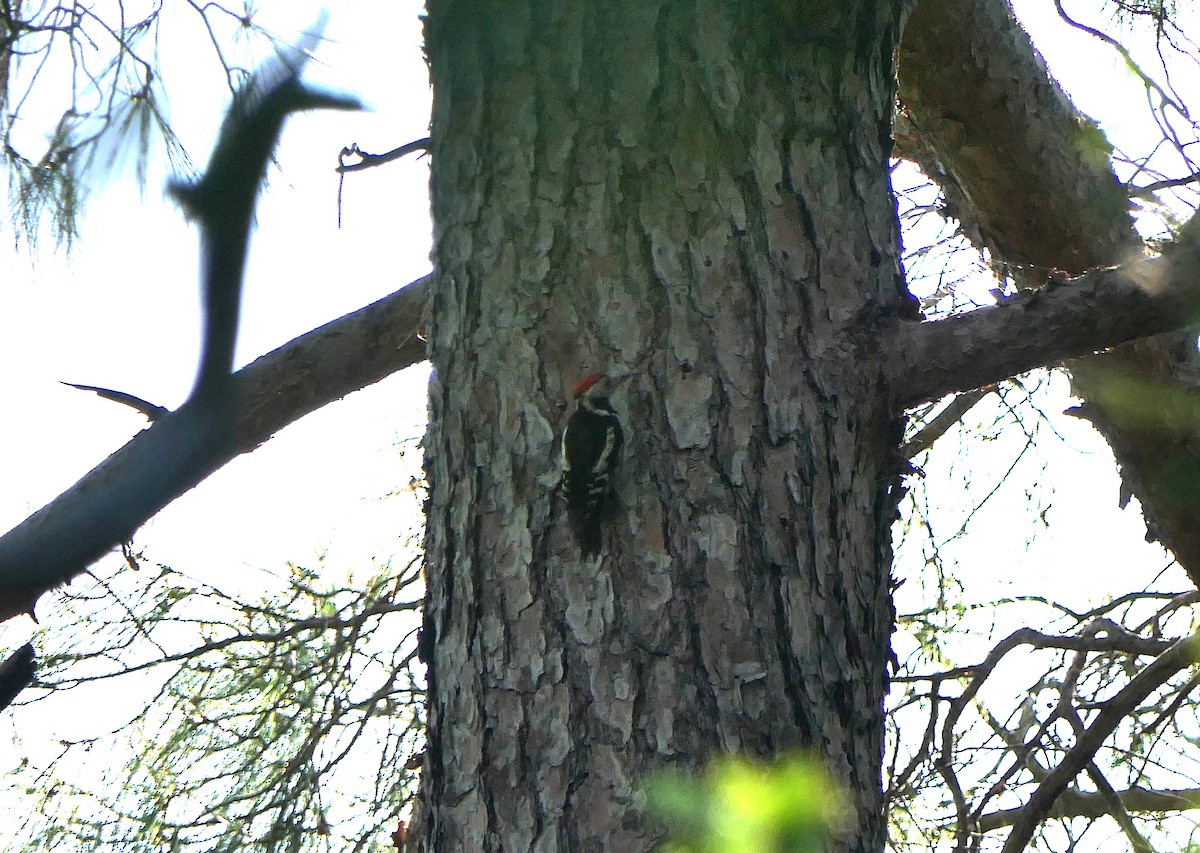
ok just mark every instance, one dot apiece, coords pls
pixel 789 806
pixel 1092 143
pixel 43 191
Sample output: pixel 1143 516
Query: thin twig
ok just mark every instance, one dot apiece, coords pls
pixel 1180 656
pixel 152 411
pixel 939 424
pixel 369 161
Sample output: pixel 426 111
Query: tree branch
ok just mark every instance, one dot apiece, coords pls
pixel 225 415
pixel 1116 809
pixel 1080 804
pixel 222 201
pixel 1180 656
pixel 1063 320
pixel 167 459
pixel 16 673
pixel 1032 181
pixel 152 411
pixel 1112 641
pixel 940 424
pixel 370 161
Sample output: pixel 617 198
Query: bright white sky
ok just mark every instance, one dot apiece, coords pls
pixel 122 312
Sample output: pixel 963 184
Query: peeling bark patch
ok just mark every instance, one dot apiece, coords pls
pixel 589 609
pixel 687 411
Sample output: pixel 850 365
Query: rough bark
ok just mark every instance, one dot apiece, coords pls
pixel 1032 180
pixel 1020 164
pixel 696 191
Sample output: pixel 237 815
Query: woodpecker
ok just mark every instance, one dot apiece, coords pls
pixel 591 450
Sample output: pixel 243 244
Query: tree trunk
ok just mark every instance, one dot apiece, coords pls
pixel 1032 180
pixel 696 191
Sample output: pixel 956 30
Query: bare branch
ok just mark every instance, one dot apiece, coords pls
pixel 939 424
pixel 1149 190
pixel 225 415
pixel 16 673
pixel 1080 804
pixel 1180 656
pixel 159 464
pixel 1115 640
pixel 1064 320
pixel 222 201
pixel 1116 809
pixel 1005 143
pixel 370 161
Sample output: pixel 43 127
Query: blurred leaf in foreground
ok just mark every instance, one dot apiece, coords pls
pixel 789 806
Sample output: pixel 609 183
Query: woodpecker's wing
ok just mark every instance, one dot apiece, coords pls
pixel 590 441
pixel 591 449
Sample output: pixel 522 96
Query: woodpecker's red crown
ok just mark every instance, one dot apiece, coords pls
pixel 582 386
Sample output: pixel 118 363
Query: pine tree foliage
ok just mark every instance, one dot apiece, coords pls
pixel 283 721
pixel 83 96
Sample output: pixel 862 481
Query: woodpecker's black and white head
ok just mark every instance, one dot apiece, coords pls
pixel 593 391
pixel 592 445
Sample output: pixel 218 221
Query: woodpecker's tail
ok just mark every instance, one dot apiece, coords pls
pixel 586 528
